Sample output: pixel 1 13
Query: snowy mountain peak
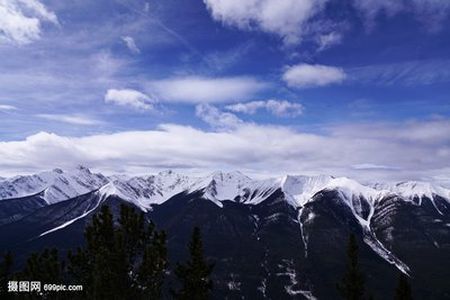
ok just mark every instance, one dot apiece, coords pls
pixel 220 186
pixel 144 191
pixel 353 188
pixel 56 184
pixel 108 190
pixel 300 189
pixel 233 176
pixel 415 190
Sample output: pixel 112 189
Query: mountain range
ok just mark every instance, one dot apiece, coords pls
pixel 276 238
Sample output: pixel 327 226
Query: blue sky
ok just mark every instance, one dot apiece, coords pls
pixel 357 88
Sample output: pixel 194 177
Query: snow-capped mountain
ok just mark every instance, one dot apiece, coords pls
pixel 415 191
pixel 256 220
pixel 56 185
pixel 234 186
pixel 300 189
pixel 147 190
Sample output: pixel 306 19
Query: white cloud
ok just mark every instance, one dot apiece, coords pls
pixel 328 40
pixel 249 147
pixel 281 108
pixel 130 98
pixel 429 12
pixel 74 119
pixel 296 20
pixel 206 90
pixel 216 118
pixel 411 132
pixel 20 20
pixel 131 44
pixel 371 8
pixel 6 107
pixel 306 76
pixel 247 108
pixel 285 18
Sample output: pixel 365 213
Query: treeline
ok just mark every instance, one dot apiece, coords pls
pixel 352 285
pixel 123 261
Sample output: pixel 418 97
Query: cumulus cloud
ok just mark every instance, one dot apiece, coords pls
pixel 131 44
pixel 20 20
pixel 285 18
pixel 280 108
pixel 306 76
pixel 206 90
pixel 249 147
pixel 216 118
pixel 130 98
pixel 295 20
pixel 74 119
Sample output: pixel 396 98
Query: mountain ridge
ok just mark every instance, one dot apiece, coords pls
pixel 59 185
pixel 292 217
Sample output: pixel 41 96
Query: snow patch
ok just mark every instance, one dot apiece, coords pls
pixel 104 192
pixel 371 240
pixel 292 275
pixel 234 284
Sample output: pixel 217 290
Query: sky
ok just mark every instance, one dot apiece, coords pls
pixel 356 88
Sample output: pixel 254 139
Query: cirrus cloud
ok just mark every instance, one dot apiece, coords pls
pixel 429 12
pixel 75 119
pixel 7 107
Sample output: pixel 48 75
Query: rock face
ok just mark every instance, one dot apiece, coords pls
pixel 282 238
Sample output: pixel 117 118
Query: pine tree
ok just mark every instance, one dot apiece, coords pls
pixel 403 290
pixel 120 261
pixel 352 285
pixel 154 264
pixel 132 228
pixel 45 267
pixel 195 274
pixel 101 265
pixel 144 244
